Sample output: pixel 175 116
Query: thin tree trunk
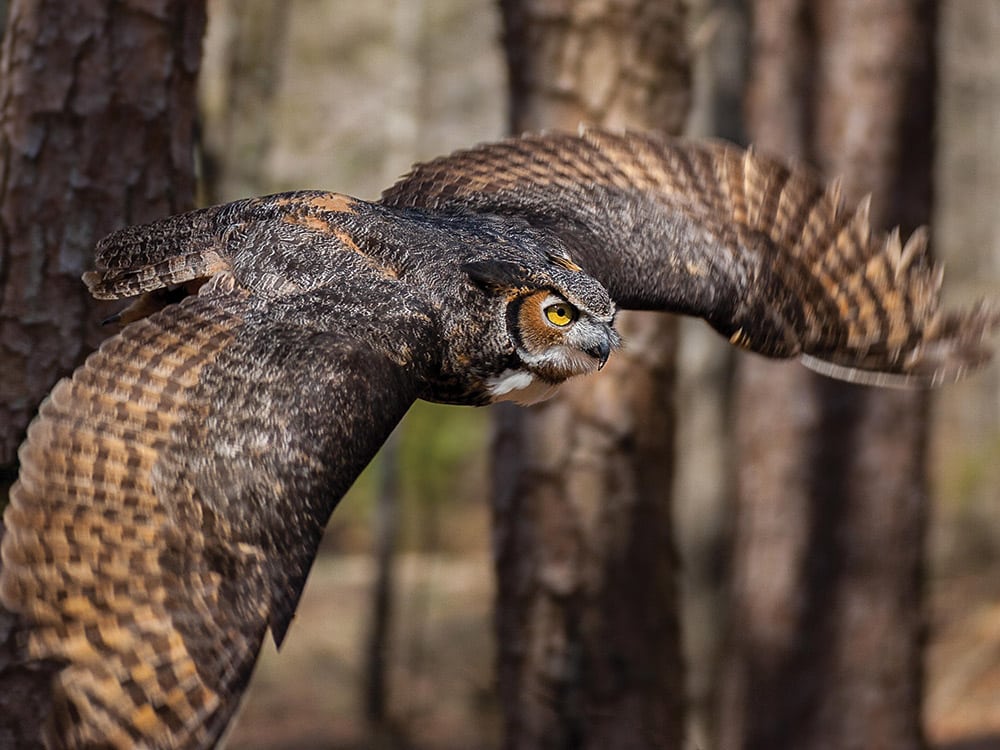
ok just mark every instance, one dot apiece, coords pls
pixel 377 637
pixel 589 652
pixel 828 621
pixel 705 484
pixel 240 126
pixel 97 130
pixel 402 133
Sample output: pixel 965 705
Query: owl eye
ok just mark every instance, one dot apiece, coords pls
pixel 560 314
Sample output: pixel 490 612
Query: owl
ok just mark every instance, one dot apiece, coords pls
pixel 173 491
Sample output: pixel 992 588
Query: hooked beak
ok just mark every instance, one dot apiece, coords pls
pixel 600 352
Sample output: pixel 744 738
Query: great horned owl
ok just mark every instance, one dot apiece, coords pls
pixel 173 491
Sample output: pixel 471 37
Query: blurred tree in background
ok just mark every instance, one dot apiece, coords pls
pixel 587 622
pixel 828 622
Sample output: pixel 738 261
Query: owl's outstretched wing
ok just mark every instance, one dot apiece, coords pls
pixel 765 253
pixel 172 495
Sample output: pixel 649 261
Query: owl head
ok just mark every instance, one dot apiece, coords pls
pixel 558 322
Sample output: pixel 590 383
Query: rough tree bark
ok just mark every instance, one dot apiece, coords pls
pixel 97 131
pixel 589 653
pixel 828 624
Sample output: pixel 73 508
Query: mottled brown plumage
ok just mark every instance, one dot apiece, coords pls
pixel 173 491
pixel 765 253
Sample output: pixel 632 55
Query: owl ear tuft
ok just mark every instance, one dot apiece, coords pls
pixel 497 275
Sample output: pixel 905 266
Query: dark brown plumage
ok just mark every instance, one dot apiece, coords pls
pixel 173 491
pixel 765 253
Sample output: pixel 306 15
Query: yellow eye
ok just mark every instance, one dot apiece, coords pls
pixel 560 314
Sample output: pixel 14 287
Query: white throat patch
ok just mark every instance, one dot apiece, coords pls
pixel 520 386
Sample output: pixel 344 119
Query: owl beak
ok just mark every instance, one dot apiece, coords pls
pixel 600 352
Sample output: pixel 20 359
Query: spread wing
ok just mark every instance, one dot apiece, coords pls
pixel 765 253
pixel 173 491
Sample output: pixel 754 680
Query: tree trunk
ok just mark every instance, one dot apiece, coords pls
pixel 239 107
pixel 377 639
pixel 402 133
pixel 828 622
pixel 589 648
pixel 97 132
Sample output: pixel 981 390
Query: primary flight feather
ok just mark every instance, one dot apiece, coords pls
pixel 173 491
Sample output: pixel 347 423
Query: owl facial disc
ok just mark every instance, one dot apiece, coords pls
pixel 554 340
pixel 558 323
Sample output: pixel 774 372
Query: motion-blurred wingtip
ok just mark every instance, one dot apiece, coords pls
pixel 957 347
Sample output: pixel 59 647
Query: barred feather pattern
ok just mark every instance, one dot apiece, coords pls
pixel 88 544
pixel 766 253
pixel 173 491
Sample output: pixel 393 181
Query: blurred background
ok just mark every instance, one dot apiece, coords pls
pixel 345 96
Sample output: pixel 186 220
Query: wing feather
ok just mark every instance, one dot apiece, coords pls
pixel 170 502
pixel 85 528
pixel 764 252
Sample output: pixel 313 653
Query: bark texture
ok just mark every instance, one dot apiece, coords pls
pixel 589 648
pixel 828 623
pixel 98 124
pixel 97 131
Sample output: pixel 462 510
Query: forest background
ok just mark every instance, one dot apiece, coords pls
pixel 345 96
